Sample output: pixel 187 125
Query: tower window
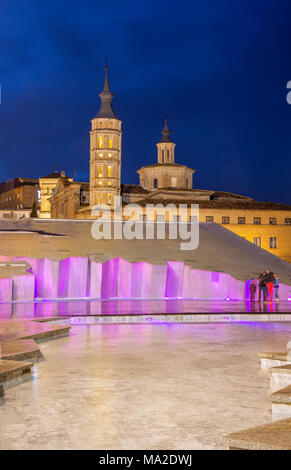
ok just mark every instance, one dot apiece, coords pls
pixel 100 142
pixel 163 156
pixel 110 143
pixel 100 171
pixel 168 155
pixel 155 183
pixel 109 171
pixel 99 199
pixel 109 198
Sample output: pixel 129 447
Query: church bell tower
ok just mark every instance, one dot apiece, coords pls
pixel 105 151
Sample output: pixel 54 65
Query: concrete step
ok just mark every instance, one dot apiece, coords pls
pixel 273 359
pixel 20 350
pixel 280 377
pixel 271 436
pixel 13 369
pixel 281 403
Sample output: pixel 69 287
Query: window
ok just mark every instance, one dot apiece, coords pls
pixel 273 242
pixel 99 199
pixel 241 220
pixel 110 155
pixel 272 221
pixel 258 241
pixel 100 171
pixel 155 183
pixel 100 155
pixel 257 220
pixel 109 171
pixel 110 143
pixel 168 155
pixel 174 181
pixel 287 221
pixel 225 220
pixel 163 156
pixel 209 218
pixel 109 198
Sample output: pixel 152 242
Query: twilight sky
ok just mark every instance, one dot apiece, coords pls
pixel 219 69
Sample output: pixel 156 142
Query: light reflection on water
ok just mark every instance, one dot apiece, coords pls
pixel 151 311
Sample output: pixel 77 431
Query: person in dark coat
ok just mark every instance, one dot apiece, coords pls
pixel 263 291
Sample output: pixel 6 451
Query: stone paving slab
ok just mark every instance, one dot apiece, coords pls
pixel 27 329
pixel 286 369
pixel 19 350
pixel 12 369
pixel 272 436
pixel 278 356
pixel 282 396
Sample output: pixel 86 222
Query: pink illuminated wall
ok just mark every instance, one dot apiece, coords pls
pixel 78 277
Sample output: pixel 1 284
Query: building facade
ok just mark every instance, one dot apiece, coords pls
pixel 17 197
pixel 47 186
pixel 69 197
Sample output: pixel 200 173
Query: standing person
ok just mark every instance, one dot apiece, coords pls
pixel 262 286
pixel 276 287
pixel 253 288
pixel 269 280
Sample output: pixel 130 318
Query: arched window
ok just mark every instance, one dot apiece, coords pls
pixel 155 183
pixel 100 142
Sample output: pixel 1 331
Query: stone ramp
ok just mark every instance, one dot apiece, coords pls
pixel 219 250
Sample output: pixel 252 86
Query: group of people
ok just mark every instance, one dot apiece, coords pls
pixel 268 284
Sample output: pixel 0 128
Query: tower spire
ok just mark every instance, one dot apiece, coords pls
pixel 106 95
pixel 166 131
